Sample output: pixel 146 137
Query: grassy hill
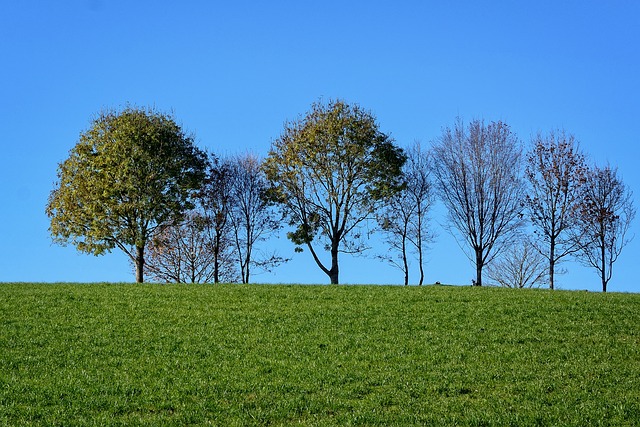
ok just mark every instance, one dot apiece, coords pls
pixel 316 355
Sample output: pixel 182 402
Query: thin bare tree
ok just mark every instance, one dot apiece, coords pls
pixel 253 217
pixel 519 266
pixel 200 249
pixel 405 218
pixel 555 173
pixel 606 213
pixel 216 200
pixel 184 253
pixel 477 171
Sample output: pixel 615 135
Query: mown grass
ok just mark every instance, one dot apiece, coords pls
pixel 76 355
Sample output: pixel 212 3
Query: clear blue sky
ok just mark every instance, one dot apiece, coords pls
pixel 233 72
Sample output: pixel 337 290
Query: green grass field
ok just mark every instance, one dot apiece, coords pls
pixel 75 355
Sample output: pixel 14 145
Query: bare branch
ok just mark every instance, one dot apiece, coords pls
pixel 605 215
pixel 477 175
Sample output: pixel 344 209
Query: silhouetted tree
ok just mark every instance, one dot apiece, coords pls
pixel 605 215
pixel 477 171
pixel 216 199
pixel 252 216
pixel 555 172
pixel 404 219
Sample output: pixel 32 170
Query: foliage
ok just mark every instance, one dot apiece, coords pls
pixel 131 173
pixel 329 171
pixel 477 176
pixel 404 219
pixel 606 213
pixel 234 355
pixel 556 173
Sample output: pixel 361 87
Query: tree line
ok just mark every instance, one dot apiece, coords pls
pixel 136 181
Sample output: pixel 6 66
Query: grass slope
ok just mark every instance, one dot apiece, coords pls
pixel 316 355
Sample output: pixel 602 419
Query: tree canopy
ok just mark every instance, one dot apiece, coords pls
pixel 131 173
pixel 329 170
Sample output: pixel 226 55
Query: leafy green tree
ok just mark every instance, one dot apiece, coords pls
pixel 329 171
pixel 131 173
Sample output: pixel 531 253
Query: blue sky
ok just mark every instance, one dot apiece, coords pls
pixel 234 72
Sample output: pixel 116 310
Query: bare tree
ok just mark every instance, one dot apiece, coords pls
pixel 477 176
pixel 395 221
pixel 252 216
pixel 555 172
pixel 405 219
pixel 216 200
pixel 184 253
pixel 606 213
pixel 519 266
pixel 217 242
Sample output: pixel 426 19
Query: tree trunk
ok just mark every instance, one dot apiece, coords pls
pixel 420 247
pixel 333 273
pixel 139 264
pixel 404 260
pixel 603 256
pixel 552 264
pixel 406 274
pixel 479 266
pixel 247 260
pixel 421 267
pixel 246 264
pixel 216 260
